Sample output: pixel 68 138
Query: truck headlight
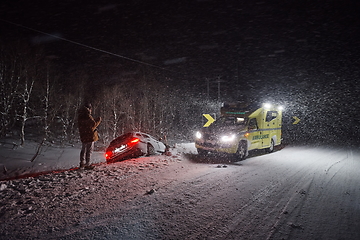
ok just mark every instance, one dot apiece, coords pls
pixel 228 138
pixel 198 135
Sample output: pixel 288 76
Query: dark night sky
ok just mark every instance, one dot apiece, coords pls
pixel 244 43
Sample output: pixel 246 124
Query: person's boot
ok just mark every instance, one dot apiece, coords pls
pixel 89 167
pixel 82 166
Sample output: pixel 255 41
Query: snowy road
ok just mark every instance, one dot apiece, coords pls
pixel 294 193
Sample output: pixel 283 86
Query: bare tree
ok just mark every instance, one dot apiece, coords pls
pixel 9 85
pixel 18 74
pixel 113 111
pixel 46 101
pixel 29 90
pixel 25 98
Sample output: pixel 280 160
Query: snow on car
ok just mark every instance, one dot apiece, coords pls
pixel 133 144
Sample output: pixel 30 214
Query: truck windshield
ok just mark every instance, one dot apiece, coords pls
pixel 227 121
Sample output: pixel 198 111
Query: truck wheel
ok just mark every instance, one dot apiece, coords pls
pixel 202 152
pixel 241 152
pixel 271 148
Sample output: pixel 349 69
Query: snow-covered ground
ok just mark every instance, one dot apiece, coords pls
pixel 293 193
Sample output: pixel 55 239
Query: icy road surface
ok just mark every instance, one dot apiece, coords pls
pixel 293 193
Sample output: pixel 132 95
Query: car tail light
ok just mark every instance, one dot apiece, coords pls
pixel 108 154
pixel 134 141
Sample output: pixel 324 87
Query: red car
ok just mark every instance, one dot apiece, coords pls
pixel 133 144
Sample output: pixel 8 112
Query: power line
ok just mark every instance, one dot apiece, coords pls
pixel 87 46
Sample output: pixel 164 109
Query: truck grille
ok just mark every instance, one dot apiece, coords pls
pixel 209 137
pixel 209 145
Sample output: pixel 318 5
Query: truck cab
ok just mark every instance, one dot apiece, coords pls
pixel 240 129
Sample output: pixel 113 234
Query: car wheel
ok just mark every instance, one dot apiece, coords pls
pixel 241 152
pixel 150 150
pixel 271 148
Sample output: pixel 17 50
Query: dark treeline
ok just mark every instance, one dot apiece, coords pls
pixel 40 96
pixel 40 101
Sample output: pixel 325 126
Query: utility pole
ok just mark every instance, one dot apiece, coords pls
pixel 219 89
pixel 207 88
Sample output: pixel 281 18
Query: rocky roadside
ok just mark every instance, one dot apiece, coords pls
pixel 54 202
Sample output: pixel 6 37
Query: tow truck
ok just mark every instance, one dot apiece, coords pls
pixel 240 129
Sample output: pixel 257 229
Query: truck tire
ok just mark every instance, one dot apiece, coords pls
pixel 202 152
pixel 271 148
pixel 241 152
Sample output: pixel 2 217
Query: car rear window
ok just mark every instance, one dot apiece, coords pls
pixel 121 138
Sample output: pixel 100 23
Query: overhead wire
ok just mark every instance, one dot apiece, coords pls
pixel 86 46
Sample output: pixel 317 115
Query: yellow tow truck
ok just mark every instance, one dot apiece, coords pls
pixel 242 128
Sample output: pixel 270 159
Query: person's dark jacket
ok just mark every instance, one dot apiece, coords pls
pixel 87 126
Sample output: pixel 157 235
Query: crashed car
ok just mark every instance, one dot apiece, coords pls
pixel 131 145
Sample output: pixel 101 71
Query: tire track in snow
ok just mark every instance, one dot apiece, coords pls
pixel 317 203
pixel 297 186
pixel 327 170
pixel 255 205
pixel 273 213
pixel 292 208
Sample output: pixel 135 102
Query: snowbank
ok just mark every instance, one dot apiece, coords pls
pixel 18 160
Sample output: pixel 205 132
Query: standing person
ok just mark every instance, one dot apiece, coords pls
pixel 88 134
